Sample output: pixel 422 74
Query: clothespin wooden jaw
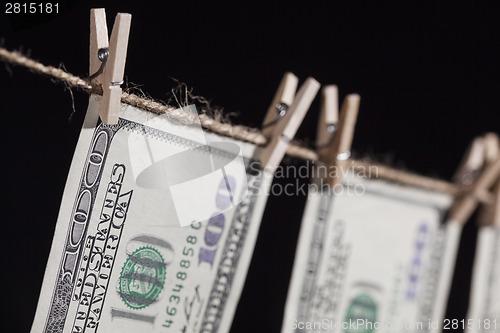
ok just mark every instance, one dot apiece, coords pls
pixel 339 150
pixel 491 147
pixel 287 126
pixel 328 119
pixel 490 212
pixel 282 101
pixel 98 41
pixel 495 206
pixel 471 164
pixel 114 63
pixel 465 205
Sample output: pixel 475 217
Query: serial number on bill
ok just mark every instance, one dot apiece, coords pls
pixel 31 8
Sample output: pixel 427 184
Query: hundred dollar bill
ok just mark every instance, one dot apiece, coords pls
pixel 484 310
pixel 133 250
pixel 374 256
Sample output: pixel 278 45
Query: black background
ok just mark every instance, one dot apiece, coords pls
pixel 427 76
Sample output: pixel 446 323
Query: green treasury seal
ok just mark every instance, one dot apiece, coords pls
pixel 142 278
pixel 361 310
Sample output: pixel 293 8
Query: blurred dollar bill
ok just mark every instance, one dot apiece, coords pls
pixel 374 256
pixel 484 304
pixel 155 231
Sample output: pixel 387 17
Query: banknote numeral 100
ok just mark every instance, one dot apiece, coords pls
pixel 213 232
pixel 215 226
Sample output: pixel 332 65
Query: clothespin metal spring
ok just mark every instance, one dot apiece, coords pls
pixel 281 109
pixel 102 55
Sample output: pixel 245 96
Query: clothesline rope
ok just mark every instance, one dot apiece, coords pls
pixel 239 132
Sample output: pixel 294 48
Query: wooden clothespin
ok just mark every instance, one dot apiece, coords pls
pixel 108 59
pixel 281 103
pixel 328 119
pixel 471 164
pixel 491 147
pixel 338 152
pixel 490 212
pixel 495 206
pixel 465 205
pixel 285 129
